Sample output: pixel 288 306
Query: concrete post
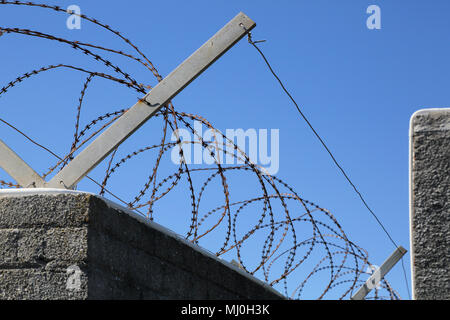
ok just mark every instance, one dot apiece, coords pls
pixel 430 203
pixel 57 244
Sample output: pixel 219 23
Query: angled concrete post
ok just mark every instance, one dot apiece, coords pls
pixel 430 203
pixel 61 244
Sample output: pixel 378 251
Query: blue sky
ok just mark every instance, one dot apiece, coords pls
pixel 358 87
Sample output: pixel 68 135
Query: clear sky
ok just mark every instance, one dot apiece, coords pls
pixel 357 86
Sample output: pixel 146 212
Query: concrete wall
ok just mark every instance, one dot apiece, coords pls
pixel 430 203
pixel 72 245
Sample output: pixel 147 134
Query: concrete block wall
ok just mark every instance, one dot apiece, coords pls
pixel 71 245
pixel 430 203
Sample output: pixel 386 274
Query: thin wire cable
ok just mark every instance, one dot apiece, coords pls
pixel 253 43
pixel 27 137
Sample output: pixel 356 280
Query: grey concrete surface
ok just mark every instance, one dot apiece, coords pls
pixel 430 203
pixel 73 245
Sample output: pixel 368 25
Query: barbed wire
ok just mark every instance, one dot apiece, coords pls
pixel 302 247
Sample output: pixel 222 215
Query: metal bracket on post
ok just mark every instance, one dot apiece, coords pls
pixel 379 274
pixel 135 117
pixel 159 96
pixel 18 169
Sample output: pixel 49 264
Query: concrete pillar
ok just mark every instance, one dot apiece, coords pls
pixel 71 245
pixel 430 203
